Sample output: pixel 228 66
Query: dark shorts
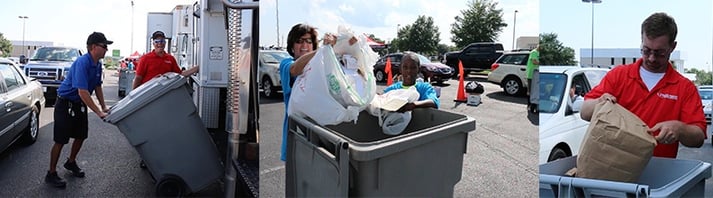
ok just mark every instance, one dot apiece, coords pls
pixel 70 120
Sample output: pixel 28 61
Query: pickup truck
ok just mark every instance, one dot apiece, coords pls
pixel 49 65
pixel 475 56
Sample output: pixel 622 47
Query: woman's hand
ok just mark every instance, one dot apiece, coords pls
pixel 329 39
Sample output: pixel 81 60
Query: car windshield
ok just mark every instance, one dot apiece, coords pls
pixel 423 59
pixel 54 54
pixel 706 94
pixel 552 87
pixel 273 57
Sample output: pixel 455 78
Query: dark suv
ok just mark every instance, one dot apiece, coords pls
pixel 50 65
pixel 430 71
pixel 475 56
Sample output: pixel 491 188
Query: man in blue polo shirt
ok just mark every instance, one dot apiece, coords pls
pixel 73 98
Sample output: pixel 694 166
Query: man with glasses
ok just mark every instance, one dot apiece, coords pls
pixel 157 62
pixel 650 88
pixel 70 110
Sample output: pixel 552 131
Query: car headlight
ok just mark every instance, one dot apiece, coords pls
pixel 64 74
pixel 707 107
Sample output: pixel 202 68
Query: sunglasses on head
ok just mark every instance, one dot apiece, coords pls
pixel 304 40
pixel 157 41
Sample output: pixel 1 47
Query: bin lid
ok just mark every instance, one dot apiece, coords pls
pixel 143 95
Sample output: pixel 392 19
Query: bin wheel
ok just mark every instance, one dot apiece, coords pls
pixel 171 186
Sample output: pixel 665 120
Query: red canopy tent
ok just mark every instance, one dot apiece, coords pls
pixel 135 55
pixel 373 44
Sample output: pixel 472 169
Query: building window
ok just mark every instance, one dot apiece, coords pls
pixel 612 61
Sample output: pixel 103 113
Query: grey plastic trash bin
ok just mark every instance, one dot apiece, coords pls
pixel 349 159
pixel 126 80
pixel 161 122
pixel 662 177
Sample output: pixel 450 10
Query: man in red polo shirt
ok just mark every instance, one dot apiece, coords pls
pixel 650 88
pixel 158 62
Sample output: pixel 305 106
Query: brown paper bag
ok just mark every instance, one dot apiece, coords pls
pixel 616 146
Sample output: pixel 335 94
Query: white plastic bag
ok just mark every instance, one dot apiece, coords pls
pixel 385 106
pixel 326 92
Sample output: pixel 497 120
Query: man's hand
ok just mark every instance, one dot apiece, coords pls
pixel 674 131
pixel 607 96
pixel 670 131
pixel 101 114
pixel 587 109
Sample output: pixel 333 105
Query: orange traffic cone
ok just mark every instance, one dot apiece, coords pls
pixel 389 80
pixel 460 97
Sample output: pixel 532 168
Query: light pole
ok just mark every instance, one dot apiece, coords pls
pixel 132 28
pixel 514 23
pixel 277 16
pixel 592 49
pixel 24 49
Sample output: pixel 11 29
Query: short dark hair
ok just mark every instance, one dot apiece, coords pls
pixel 411 56
pixel 659 24
pixel 296 32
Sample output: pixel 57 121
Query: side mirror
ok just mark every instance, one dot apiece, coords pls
pixel 568 111
pixel 23 59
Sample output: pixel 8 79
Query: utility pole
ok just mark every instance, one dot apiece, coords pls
pixel 514 24
pixel 24 49
pixel 592 2
pixel 132 28
pixel 277 16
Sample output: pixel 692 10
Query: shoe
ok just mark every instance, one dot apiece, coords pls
pixel 76 171
pixel 54 180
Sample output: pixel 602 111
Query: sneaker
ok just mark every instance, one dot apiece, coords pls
pixel 76 171
pixel 54 180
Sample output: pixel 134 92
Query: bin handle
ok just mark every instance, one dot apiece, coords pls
pixel 340 157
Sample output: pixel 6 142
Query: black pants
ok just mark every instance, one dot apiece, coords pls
pixel 70 120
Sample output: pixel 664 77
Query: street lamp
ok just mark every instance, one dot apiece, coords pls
pixel 24 18
pixel 132 28
pixel 592 49
pixel 514 22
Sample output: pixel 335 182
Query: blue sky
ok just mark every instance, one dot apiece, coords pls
pixel 617 24
pixel 69 22
pixel 382 17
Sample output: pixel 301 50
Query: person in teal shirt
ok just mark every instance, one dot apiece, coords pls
pixel 301 45
pixel 410 66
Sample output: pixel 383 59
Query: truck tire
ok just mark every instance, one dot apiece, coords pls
pixel 512 86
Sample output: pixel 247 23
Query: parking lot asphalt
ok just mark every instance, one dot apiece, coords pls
pixel 501 158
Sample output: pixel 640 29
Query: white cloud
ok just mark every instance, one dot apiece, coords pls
pixel 346 8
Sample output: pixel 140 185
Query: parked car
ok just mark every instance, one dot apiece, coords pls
pixel 430 71
pixel 475 56
pixel 561 128
pixel 22 99
pixel 49 65
pixel 509 72
pixel 269 71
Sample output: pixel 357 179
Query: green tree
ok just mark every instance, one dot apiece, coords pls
pixel 702 77
pixel 479 22
pixel 422 36
pixel 552 52
pixel 5 46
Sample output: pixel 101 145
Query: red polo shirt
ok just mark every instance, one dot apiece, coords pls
pixel 152 64
pixel 673 98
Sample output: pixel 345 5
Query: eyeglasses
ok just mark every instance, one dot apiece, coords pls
pixel 103 46
pixel 159 41
pixel 659 53
pixel 304 40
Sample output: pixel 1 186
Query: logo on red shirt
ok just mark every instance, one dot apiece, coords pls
pixel 667 96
